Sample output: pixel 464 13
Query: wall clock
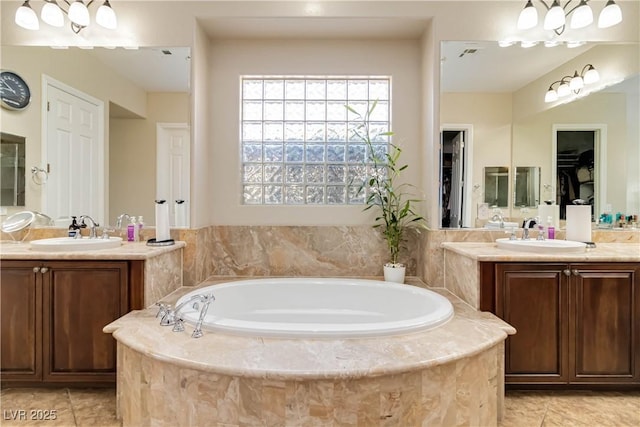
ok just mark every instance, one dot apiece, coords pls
pixel 14 91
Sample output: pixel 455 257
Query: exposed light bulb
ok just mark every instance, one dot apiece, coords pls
pixel 591 76
pixel 528 44
pixel 52 14
pixel 551 96
pixel 555 17
pixel 79 14
pixel 106 17
pixel 611 15
pixel 26 17
pixel 552 43
pixel 564 89
pixel 573 44
pixel 528 17
pixel 506 43
pixel 582 16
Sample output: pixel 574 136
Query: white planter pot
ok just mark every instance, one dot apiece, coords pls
pixel 394 273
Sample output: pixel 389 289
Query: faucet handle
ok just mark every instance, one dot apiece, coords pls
pixel 106 231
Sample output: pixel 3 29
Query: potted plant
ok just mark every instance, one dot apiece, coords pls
pixel 385 193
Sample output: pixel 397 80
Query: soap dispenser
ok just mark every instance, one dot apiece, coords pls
pixel 132 230
pixel 74 228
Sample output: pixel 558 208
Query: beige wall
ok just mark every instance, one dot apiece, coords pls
pixel 230 59
pixel 489 114
pixel 75 68
pixel 132 155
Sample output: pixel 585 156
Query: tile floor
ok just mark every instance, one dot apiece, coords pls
pixel 97 407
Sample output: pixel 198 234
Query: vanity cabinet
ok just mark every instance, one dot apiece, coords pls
pixel 52 317
pixel 578 324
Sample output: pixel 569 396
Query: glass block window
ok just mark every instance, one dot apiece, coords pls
pixel 298 144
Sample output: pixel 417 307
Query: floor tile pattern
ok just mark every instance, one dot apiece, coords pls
pixel 97 408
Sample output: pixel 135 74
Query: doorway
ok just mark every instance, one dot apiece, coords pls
pixel 455 168
pixel 174 171
pixel 579 166
pixel 73 150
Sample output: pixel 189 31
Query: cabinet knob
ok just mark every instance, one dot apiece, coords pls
pixel 567 272
pixel 44 270
pixel 36 269
pixel 576 273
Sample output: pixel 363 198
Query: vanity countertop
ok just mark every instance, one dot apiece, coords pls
pixel 126 251
pixel 603 252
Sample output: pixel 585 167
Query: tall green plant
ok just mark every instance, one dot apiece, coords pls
pixel 393 201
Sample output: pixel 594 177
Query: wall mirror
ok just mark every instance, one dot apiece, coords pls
pixel 496 186
pixel 138 88
pixel 12 169
pixel 526 186
pixel 480 83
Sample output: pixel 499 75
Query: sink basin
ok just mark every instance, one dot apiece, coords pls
pixel 495 225
pixel 542 246
pixel 64 244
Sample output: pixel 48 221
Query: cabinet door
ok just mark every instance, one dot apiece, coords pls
pixel 21 321
pixel 79 300
pixel 605 336
pixel 533 299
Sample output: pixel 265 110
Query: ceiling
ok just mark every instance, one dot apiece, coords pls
pixel 498 69
pixel 158 69
pixel 495 69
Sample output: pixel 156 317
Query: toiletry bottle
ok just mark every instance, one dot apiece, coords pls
pixel 74 228
pixel 551 230
pixel 131 230
pixel 140 227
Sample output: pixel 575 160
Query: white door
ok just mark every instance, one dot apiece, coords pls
pixel 73 149
pixel 173 171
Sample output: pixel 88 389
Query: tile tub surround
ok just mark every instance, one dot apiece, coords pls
pixel 449 375
pixel 162 264
pixel 461 262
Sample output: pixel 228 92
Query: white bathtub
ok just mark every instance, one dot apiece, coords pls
pixel 313 307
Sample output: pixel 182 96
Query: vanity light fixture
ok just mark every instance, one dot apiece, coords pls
pixel 575 83
pixel 556 15
pixel 77 12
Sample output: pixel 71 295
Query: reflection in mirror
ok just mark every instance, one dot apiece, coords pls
pixel 496 186
pixel 12 169
pixel 527 187
pixel 499 93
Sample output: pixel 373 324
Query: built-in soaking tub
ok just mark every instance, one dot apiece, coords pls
pixel 292 352
pixel 314 307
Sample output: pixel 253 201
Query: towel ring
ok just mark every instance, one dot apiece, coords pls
pixel 39 176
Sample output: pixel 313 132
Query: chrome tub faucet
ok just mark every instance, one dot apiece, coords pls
pixel 169 316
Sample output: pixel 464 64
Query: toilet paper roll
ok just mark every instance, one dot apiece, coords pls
pixel 546 211
pixel 180 213
pixel 162 220
pixel 579 223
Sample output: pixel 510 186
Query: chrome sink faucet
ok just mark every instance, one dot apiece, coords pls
pixel 93 226
pixel 526 225
pixel 497 216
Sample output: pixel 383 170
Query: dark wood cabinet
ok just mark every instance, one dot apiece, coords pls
pixel 21 321
pixel 578 324
pixel 52 317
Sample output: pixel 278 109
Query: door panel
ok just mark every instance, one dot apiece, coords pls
pixel 604 326
pixel 75 153
pixel 21 321
pixel 534 301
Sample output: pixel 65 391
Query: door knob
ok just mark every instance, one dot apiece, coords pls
pixel 576 273
pixel 44 270
pixel 567 272
pixel 36 269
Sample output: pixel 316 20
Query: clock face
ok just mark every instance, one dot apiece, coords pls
pixel 14 91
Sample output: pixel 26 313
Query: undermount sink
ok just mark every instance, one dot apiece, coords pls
pixel 495 225
pixel 64 244
pixel 542 246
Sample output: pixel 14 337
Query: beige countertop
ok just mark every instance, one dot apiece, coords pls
pixel 126 251
pixel 603 252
